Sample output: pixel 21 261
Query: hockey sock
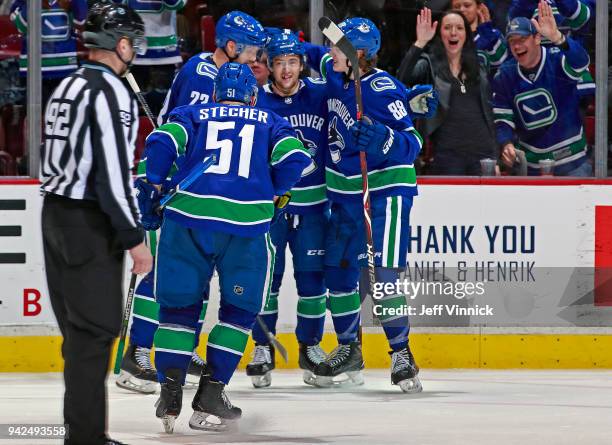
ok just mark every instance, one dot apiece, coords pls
pixel 396 327
pixel 269 314
pixel 145 318
pixel 227 341
pixel 345 308
pixel 311 306
pixel 175 339
pixel 310 319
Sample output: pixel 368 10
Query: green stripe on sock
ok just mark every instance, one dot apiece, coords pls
pixel 394 302
pixel 227 337
pixel 170 339
pixel 311 307
pixel 392 229
pixel 271 304
pixel 345 303
pixel 146 308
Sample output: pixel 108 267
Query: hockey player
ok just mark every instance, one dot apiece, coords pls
pixel 302 103
pixel 391 144
pixel 220 222
pixel 535 100
pixel 238 36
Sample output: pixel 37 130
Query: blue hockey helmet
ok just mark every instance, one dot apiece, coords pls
pixel 283 44
pixel 236 81
pixel 363 34
pixel 241 28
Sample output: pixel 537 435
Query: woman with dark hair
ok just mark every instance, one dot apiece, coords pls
pixel 462 131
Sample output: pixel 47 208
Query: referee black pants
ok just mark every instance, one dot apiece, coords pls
pixel 84 267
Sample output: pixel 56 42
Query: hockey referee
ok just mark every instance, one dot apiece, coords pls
pixel 90 215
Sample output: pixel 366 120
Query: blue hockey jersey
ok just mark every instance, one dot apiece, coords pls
pixel 384 99
pixel 258 157
pixel 193 84
pixel 306 111
pixel 58 36
pixel 540 111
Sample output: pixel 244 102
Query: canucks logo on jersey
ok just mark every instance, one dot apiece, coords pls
pixel 312 150
pixel 335 141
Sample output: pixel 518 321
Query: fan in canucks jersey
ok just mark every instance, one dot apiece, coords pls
pixel 237 36
pixel 574 18
pixel 221 222
pixel 535 100
pixel 391 145
pixel 302 226
pixel 58 36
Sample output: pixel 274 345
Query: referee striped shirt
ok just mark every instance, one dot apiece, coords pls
pixel 88 151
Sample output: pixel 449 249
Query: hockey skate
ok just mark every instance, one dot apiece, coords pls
pixel 310 357
pixel 170 399
pixel 260 368
pixel 212 410
pixel 404 371
pixel 342 367
pixel 197 367
pixel 137 374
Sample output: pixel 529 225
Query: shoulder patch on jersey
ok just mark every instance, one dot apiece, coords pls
pixel 317 80
pixel 206 69
pixel 382 83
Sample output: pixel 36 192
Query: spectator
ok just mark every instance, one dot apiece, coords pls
pixel 572 16
pixel 535 97
pixel 489 41
pixel 163 53
pixel 58 35
pixel 452 67
pixel 260 68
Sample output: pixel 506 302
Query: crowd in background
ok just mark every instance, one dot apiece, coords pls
pixel 465 48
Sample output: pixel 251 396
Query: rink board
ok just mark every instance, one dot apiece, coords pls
pixel 566 224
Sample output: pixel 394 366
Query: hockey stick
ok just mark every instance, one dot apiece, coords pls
pixel 136 89
pixel 272 339
pixel 194 174
pixel 338 39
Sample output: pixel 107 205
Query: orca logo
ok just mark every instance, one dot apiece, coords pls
pixel 312 150
pixel 536 108
pixel 335 140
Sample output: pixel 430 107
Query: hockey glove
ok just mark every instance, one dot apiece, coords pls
pixel 280 206
pixel 148 202
pixel 422 101
pixel 372 137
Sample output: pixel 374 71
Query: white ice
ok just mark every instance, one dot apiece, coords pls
pixel 457 407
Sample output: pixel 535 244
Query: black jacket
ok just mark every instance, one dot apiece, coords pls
pixel 419 67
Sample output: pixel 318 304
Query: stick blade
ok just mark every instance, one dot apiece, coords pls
pixel 337 38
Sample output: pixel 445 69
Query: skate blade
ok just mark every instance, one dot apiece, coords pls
pixel 262 381
pixel 411 386
pixel 209 422
pixel 309 378
pixel 351 378
pixel 127 381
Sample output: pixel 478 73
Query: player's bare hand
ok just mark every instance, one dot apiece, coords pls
pixel 484 15
pixel 508 155
pixel 546 25
pixel 143 261
pixel 425 30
